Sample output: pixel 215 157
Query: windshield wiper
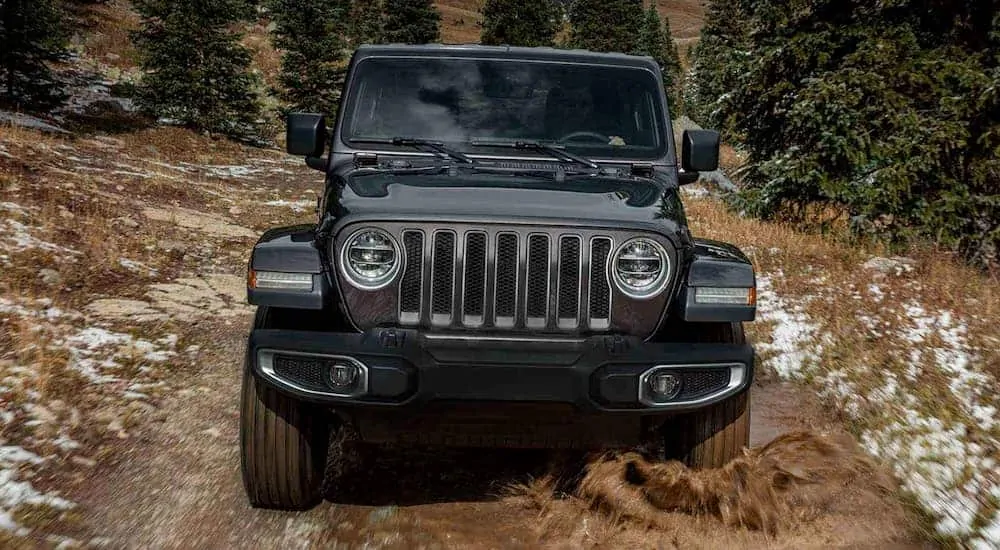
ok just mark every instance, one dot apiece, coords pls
pixel 552 150
pixel 421 144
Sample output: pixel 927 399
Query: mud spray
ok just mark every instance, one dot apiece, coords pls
pixel 795 478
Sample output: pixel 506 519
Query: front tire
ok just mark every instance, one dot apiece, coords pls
pixel 283 444
pixel 712 436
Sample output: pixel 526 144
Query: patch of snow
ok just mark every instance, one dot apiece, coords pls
pixel 695 192
pixel 65 443
pixel 793 338
pixel 12 456
pixel 137 267
pixel 92 338
pixel 934 460
pixel 896 265
pixel 85 345
pixel 954 357
pixel 21 239
pixel 227 171
pixel 15 493
pixel 296 206
pixel 12 207
pixel 876 292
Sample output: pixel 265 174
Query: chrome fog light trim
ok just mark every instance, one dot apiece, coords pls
pixel 265 358
pixel 737 378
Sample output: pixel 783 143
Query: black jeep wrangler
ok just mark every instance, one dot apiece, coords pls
pixel 501 259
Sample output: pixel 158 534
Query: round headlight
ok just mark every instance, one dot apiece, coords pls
pixel 641 268
pixel 370 259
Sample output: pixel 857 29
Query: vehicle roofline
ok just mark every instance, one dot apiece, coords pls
pixel 502 52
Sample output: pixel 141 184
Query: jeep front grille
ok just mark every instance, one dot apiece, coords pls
pixel 505 280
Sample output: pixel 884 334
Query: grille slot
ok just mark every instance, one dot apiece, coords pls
pixel 570 265
pixel 537 288
pixel 443 278
pixel 474 289
pixel 410 289
pixel 506 280
pixel 600 288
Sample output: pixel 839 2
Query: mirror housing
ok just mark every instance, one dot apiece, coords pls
pixel 700 151
pixel 306 134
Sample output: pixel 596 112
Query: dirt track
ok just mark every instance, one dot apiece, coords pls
pixel 178 486
pixel 175 481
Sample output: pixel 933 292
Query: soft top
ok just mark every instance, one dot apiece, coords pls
pixel 507 52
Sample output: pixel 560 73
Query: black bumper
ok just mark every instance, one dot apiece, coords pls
pixel 405 368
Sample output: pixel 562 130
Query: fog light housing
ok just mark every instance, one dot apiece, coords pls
pixel 343 375
pixel 664 386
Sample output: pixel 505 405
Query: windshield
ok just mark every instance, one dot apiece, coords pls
pixel 597 111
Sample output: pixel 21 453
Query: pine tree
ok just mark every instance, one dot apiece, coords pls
pixel 884 112
pixel 366 22
pixel 718 63
pixel 411 22
pixel 312 37
pixel 606 25
pixel 520 22
pixel 197 72
pixel 32 35
pixel 656 41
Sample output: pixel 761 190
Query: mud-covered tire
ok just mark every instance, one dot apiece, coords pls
pixel 283 445
pixel 711 437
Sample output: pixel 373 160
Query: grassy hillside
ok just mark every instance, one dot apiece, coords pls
pixel 459 19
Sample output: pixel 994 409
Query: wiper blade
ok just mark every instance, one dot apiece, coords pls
pixel 422 144
pixel 552 150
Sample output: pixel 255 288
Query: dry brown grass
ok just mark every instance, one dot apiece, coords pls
pixel 266 58
pixel 460 21
pixel 109 25
pixel 686 17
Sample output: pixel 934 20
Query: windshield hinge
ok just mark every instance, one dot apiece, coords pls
pixel 642 169
pixel 365 160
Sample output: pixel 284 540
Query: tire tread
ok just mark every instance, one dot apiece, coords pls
pixel 283 444
pixel 711 437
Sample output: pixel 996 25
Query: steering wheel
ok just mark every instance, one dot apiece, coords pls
pixel 593 136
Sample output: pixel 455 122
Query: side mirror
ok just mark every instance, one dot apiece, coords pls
pixel 306 135
pixel 700 151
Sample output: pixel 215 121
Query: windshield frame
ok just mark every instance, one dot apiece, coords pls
pixel 342 143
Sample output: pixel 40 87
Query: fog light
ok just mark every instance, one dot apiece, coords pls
pixel 343 375
pixel 664 385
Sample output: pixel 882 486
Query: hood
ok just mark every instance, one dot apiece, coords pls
pixel 590 200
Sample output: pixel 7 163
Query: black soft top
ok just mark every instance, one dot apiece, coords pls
pixel 507 52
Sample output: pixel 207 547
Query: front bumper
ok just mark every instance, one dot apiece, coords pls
pixel 408 369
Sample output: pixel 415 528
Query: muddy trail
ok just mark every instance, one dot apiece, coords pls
pixel 803 485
